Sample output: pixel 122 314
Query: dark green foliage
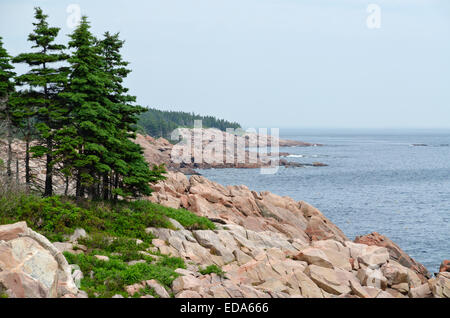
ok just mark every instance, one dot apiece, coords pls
pixel 212 269
pixel 96 147
pixel 158 123
pixel 113 228
pixel 135 173
pixel 93 122
pixel 128 248
pixel 40 97
pixel 6 72
pixel 186 218
pixel 59 216
pixel 171 262
pixel 111 277
pixel 6 106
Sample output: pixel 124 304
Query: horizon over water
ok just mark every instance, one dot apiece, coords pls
pixel 376 181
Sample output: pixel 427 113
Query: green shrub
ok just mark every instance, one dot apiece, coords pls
pixel 107 278
pixel 212 269
pixel 113 227
pixel 171 262
pixel 128 249
pixel 56 217
pixel 186 218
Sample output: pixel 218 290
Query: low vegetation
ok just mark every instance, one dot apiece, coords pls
pixel 57 217
pixel 105 279
pixel 212 269
pixel 116 229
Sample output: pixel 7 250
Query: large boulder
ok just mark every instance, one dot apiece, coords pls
pixel 30 266
pixel 314 256
pixel 12 231
pixel 307 287
pixel 445 266
pixel 395 253
pixel 372 278
pixel 367 255
pixel 440 285
pixel 422 291
pixel 327 279
pixel 211 240
pixel 319 227
pixel 395 273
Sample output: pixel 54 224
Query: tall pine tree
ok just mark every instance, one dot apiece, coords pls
pixel 131 173
pixel 85 141
pixel 45 80
pixel 6 109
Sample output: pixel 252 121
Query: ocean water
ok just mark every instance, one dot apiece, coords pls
pixel 376 181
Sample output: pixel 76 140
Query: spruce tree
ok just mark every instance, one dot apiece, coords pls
pixel 45 79
pixel 6 110
pixel 131 173
pixel 92 122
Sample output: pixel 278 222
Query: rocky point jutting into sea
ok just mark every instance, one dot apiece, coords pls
pixel 268 246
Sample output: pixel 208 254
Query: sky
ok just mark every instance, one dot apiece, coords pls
pixel 272 63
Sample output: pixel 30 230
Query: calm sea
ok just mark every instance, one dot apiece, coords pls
pixel 376 181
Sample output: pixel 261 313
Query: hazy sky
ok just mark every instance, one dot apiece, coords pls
pixel 273 63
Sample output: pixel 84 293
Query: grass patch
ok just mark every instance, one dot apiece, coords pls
pixel 171 262
pixel 212 269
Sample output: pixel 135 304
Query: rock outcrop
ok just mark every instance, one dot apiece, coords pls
pixel 267 245
pixel 213 152
pixel 396 253
pixel 271 264
pixel 30 266
pixel 263 211
pixel 281 248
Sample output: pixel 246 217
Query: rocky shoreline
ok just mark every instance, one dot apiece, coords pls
pixel 266 245
pixel 161 151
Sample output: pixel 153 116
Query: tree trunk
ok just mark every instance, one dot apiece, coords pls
pixel 9 160
pixel 27 162
pixel 105 187
pixel 49 170
pixel 116 184
pixel 66 190
pixel 17 170
pixel 78 185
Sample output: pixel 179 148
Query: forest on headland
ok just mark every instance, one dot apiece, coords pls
pixel 160 123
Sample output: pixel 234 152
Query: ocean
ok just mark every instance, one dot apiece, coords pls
pixel 395 182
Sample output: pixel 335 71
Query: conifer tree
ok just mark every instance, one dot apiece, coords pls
pixel 6 110
pixel 85 141
pixel 131 173
pixel 45 79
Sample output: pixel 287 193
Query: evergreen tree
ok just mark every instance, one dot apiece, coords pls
pixel 92 122
pixel 45 80
pixel 6 110
pixel 132 175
